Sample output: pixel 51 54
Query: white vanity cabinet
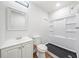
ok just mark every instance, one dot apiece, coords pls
pixel 11 52
pixel 27 50
pixel 23 50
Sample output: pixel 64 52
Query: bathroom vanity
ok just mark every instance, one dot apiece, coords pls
pixel 22 48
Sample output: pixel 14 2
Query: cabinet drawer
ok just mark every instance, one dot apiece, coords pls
pixel 11 47
pixel 28 43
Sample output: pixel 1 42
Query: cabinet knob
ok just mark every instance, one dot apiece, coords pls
pixel 19 47
pixel 22 46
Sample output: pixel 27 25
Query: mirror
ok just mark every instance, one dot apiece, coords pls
pixel 16 20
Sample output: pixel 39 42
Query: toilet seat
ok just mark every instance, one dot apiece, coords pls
pixel 41 48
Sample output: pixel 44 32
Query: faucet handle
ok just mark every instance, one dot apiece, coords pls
pixel 19 37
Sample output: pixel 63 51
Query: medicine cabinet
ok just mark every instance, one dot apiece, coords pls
pixel 16 20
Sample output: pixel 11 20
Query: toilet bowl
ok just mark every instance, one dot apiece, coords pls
pixel 41 48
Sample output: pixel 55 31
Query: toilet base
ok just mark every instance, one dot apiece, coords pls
pixel 41 55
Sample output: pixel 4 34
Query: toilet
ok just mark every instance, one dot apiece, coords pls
pixel 41 48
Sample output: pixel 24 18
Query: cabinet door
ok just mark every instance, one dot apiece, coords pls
pixel 12 52
pixel 27 50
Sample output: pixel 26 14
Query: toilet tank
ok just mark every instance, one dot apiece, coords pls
pixel 36 39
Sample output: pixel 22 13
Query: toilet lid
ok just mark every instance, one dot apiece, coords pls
pixel 42 48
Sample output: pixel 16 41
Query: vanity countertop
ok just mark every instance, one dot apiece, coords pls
pixel 13 42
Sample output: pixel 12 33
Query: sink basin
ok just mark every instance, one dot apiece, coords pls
pixel 18 38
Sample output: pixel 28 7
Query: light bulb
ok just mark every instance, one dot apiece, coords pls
pixel 57 4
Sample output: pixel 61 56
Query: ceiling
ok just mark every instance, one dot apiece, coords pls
pixel 50 6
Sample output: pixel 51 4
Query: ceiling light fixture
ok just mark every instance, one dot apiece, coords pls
pixel 57 4
pixel 23 3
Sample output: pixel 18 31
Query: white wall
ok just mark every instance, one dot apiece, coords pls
pixel 2 24
pixel 61 13
pixel 59 36
pixel 36 24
